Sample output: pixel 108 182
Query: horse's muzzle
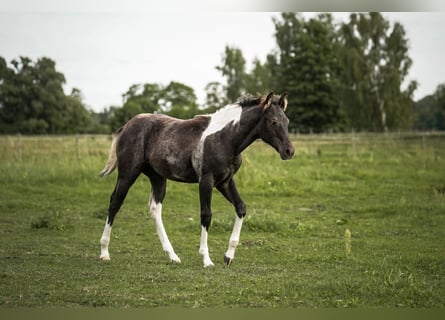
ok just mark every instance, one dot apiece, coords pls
pixel 287 153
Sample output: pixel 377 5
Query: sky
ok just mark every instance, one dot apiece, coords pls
pixel 103 52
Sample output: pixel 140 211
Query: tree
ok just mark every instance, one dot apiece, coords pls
pixel 215 97
pixel 233 68
pixel 101 120
pixel 439 96
pixel 238 82
pixel 78 119
pixel 261 79
pixel 429 112
pixel 139 98
pixel 32 99
pixel 306 69
pixel 179 100
pixel 425 113
pixel 375 62
pixel 175 99
pixel 146 96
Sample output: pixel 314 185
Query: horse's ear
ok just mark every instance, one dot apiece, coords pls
pixel 283 101
pixel 268 101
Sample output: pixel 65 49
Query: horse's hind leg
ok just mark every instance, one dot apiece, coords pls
pixel 123 184
pixel 158 185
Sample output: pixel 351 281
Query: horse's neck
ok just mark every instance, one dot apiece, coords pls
pixel 248 132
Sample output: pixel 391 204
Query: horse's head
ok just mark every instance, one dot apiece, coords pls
pixel 273 125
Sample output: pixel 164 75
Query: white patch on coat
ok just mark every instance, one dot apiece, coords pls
pixel 221 118
pixel 230 114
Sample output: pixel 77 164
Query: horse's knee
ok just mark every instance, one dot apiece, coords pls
pixel 241 210
pixel 206 218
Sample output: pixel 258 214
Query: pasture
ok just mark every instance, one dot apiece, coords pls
pixel 387 190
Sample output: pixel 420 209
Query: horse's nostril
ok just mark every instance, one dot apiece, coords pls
pixel 289 152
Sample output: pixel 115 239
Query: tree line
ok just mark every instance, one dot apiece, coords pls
pixel 339 77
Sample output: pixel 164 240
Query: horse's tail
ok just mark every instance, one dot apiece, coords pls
pixel 112 158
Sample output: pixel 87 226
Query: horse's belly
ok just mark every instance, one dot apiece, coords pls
pixel 176 168
pixel 182 175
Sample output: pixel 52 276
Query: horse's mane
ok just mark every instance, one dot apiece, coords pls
pixel 248 100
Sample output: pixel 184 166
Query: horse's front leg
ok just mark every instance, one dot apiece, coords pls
pixel 230 192
pixel 205 196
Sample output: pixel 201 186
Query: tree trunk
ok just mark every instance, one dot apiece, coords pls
pixel 383 115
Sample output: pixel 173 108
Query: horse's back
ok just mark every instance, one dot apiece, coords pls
pixel 164 144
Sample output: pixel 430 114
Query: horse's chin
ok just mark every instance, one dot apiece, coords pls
pixel 285 157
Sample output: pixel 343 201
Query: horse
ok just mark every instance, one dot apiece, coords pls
pixel 205 150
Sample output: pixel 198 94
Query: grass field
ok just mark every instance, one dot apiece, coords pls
pixel 388 190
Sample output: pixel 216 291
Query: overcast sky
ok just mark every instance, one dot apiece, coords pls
pixel 104 53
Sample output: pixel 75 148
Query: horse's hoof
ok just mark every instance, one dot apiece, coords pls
pixel 105 258
pixel 209 265
pixel 175 259
pixel 228 261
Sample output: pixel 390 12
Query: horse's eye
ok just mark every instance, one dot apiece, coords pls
pixel 274 123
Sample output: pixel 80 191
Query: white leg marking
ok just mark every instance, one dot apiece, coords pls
pixel 105 241
pixel 234 238
pixel 156 214
pixel 204 249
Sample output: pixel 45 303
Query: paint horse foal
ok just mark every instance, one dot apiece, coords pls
pixel 205 150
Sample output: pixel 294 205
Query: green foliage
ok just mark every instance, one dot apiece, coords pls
pixel 261 79
pixel 307 72
pixel 339 76
pixel 375 63
pixel 388 190
pixel 214 97
pixel 429 112
pixel 175 99
pixel 233 67
pixel 32 100
pixel 179 101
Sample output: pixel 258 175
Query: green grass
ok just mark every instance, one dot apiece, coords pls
pixel 389 190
